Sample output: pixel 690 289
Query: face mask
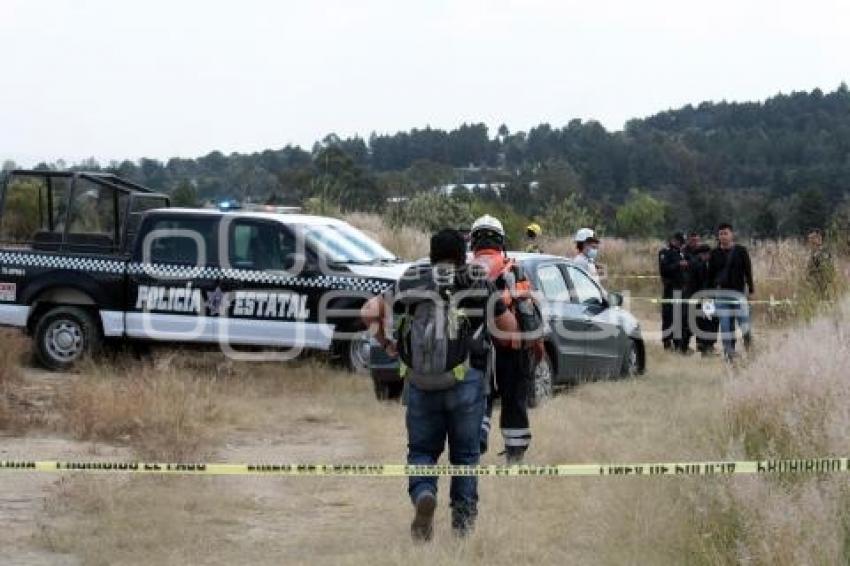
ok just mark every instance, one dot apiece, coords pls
pixel 591 253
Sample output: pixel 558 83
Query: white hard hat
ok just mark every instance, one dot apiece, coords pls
pixel 585 234
pixel 488 222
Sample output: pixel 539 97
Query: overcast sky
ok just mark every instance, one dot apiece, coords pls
pixel 118 79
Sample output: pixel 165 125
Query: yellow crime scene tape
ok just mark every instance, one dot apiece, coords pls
pixel 771 301
pixel 709 468
pixel 655 276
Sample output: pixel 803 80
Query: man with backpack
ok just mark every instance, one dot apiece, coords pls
pixel 514 355
pixel 445 311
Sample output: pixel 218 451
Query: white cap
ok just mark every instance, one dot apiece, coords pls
pixel 488 222
pixel 585 234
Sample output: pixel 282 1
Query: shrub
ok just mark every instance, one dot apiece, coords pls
pixel 641 216
pixel 431 212
pixel 564 217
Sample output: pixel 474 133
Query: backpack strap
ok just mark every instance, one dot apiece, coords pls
pixel 459 371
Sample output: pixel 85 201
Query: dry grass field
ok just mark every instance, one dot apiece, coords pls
pixel 790 399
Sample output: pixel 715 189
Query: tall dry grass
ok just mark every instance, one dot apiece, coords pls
pixel 12 402
pixel 795 399
pixel 406 242
pixel 791 402
pixel 161 412
pixel 176 406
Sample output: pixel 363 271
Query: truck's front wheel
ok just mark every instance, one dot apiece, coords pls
pixel 63 335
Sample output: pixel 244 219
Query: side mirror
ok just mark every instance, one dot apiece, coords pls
pixel 615 299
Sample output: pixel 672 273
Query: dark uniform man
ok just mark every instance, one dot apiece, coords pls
pixel 689 250
pixel 673 268
pixel 699 280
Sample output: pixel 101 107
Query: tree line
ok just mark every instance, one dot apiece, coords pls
pixel 776 167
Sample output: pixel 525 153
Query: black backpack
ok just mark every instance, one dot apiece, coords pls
pixel 433 335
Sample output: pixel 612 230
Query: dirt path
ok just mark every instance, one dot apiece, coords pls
pixel 23 495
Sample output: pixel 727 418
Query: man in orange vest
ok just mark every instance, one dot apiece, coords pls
pixel 512 359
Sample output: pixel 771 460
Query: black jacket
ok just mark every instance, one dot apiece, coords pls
pixel 699 277
pixel 672 274
pixel 731 273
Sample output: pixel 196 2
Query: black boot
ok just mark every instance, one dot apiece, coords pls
pixel 514 455
pixel 463 519
pixel 422 527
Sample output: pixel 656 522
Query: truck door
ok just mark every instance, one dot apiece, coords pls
pixel 273 292
pixel 173 281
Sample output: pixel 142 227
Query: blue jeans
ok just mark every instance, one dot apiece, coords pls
pixel 731 309
pixel 454 414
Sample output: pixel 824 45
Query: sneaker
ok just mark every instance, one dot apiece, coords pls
pixel 422 527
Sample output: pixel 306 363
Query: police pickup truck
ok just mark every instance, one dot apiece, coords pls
pixel 89 257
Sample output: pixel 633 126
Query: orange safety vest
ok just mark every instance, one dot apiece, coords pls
pixel 498 265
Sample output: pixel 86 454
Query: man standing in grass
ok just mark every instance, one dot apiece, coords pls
pixel 731 273
pixel 820 270
pixel 445 308
pixel 673 268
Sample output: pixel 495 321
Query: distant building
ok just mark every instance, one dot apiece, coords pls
pixel 449 189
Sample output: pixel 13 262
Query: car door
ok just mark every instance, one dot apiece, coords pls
pixel 172 278
pixel 273 294
pixel 603 337
pixel 565 321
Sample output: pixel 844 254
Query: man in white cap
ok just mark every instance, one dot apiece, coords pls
pixel 588 247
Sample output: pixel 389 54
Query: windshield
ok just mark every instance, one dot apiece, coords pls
pixel 343 243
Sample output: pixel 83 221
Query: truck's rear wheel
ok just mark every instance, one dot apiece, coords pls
pixel 63 335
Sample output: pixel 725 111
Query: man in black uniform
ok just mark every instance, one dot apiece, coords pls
pixel 693 242
pixel 673 268
pixel 706 323
pixel 691 286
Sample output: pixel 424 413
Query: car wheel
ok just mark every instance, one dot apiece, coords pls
pixel 63 335
pixel 631 361
pixel 540 385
